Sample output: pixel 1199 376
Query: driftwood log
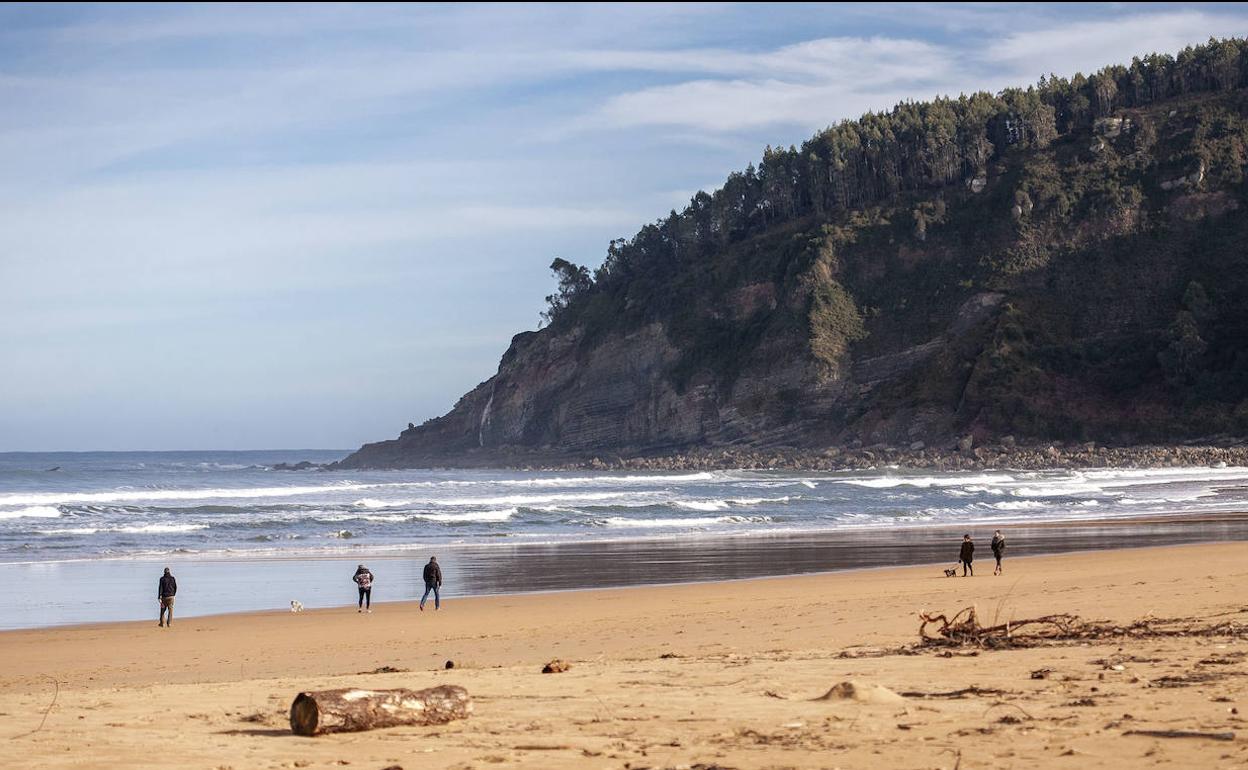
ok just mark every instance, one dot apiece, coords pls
pixel 354 710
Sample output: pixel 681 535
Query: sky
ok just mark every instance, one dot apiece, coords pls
pixel 240 227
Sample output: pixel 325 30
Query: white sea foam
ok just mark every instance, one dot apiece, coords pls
pixel 607 480
pixel 925 482
pixel 1173 498
pixel 148 529
pixel 1018 505
pixel 618 522
pixel 474 516
pixel 575 497
pixel 620 498
pixel 1136 475
pixel 156 529
pixel 722 505
pixel 1067 489
pixel 33 512
pixel 702 505
pixel 156 495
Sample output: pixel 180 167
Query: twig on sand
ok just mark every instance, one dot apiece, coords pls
pixel 996 615
pixel 1182 734
pixel 55 694
pixel 957 762
pixel 962 693
pixel 1021 710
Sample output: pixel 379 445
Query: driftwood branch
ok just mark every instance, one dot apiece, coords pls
pixel 1182 734
pixel 963 629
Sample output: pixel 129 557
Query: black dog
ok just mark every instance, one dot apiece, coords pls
pixel 951 573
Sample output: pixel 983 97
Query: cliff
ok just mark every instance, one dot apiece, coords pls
pixel 1064 262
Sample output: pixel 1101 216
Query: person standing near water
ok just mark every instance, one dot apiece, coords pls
pixel 433 582
pixel 166 589
pixel 998 549
pixel 966 555
pixel 364 580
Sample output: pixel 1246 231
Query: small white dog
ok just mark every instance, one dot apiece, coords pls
pixel 296 606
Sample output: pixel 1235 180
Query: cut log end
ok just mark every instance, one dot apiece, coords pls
pixel 304 715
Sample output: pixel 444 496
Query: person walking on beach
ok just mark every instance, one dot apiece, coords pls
pixel 364 580
pixel 966 555
pixel 166 589
pixel 433 582
pixel 998 549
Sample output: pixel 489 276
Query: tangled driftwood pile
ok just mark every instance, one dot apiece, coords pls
pixel 965 630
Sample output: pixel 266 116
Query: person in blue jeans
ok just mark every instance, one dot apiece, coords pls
pixel 433 582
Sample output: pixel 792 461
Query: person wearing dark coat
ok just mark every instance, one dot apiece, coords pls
pixel 166 589
pixel 433 582
pixel 998 549
pixel 364 581
pixel 966 555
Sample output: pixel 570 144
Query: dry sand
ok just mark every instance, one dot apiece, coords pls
pixel 719 675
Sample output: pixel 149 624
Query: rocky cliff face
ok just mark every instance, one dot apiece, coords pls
pixel 1088 287
pixel 552 396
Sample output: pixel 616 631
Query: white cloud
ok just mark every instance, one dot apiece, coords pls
pixel 815 83
pixel 733 105
pixel 809 85
pixel 1087 46
pixel 876 59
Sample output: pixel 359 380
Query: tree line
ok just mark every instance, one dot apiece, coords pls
pixel 914 147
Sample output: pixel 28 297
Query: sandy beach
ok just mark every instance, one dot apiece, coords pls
pixel 703 675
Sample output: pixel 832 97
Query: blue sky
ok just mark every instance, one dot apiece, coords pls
pixel 280 226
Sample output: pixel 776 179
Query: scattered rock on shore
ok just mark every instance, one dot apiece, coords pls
pixel 862 692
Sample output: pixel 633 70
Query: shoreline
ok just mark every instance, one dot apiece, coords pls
pixel 413 604
pixel 102 591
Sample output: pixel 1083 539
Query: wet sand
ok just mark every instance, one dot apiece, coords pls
pixel 112 590
pixel 720 673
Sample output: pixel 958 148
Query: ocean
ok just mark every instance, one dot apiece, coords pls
pixel 95 521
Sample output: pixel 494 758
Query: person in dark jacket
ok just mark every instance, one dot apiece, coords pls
pixel 966 555
pixel 364 581
pixel 166 589
pixel 433 582
pixel 998 549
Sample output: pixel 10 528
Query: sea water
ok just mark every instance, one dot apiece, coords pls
pixel 102 505
pixel 83 536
